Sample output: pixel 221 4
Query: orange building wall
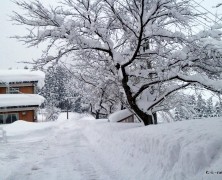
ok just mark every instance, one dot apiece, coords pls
pixel 28 116
pixel 27 89
pixel 2 90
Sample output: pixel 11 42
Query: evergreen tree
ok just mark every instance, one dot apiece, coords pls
pixel 200 107
pixel 210 108
pixel 181 113
pixel 55 89
pixel 218 109
pixel 190 106
pixel 177 114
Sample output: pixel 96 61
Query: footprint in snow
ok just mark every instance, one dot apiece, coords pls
pixel 35 168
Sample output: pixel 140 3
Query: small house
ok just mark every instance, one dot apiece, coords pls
pixel 124 115
pixel 18 98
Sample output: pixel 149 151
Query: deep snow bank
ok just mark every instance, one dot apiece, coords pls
pixel 176 151
pixel 21 127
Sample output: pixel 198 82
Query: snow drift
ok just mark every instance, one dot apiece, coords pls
pixel 187 150
pixel 176 151
pixel 21 127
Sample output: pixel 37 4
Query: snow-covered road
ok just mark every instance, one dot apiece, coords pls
pixel 83 148
pixel 62 153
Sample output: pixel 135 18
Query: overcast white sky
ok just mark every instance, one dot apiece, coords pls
pixel 12 51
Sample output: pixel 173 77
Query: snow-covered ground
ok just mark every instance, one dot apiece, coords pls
pixel 85 149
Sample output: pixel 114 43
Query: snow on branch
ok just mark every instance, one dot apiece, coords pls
pixel 144 49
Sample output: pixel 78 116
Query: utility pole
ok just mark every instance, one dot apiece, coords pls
pixel 67 105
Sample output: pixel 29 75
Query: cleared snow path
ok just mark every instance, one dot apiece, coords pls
pixel 60 153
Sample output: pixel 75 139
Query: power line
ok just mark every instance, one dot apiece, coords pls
pixel 204 8
pixel 202 23
pixel 204 14
pixel 207 18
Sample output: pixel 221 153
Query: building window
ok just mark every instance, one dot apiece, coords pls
pixel 8 118
pixel 13 90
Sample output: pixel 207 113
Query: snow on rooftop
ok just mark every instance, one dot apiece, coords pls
pixel 9 100
pixel 22 75
pixel 119 115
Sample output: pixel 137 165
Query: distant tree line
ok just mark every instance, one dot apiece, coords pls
pixel 59 96
pixel 64 91
pixel 196 107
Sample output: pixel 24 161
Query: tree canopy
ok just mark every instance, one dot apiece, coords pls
pixel 146 47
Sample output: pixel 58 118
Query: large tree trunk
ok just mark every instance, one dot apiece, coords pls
pixel 147 119
pixel 97 115
pixel 154 118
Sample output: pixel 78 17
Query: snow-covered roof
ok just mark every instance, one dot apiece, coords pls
pixel 22 75
pixel 10 100
pixel 119 115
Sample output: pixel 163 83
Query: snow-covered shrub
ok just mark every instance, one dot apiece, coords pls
pixel 52 113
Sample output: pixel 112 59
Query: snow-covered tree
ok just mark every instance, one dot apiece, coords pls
pixel 185 107
pixel 200 107
pixel 180 113
pixel 147 45
pixel 52 112
pixel 55 87
pixel 218 108
pixel 58 92
pixel 101 94
pixel 78 107
pixel 210 108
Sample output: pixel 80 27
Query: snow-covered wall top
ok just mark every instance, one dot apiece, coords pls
pixel 22 75
pixel 9 100
pixel 119 115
